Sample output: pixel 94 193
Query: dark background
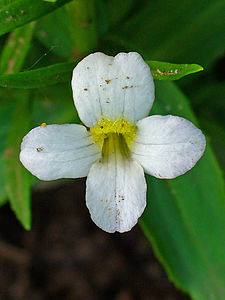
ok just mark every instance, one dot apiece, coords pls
pixel 66 256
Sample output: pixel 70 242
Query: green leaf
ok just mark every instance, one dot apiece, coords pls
pixel 217 138
pixel 62 72
pixel 20 12
pixel 50 75
pixel 16 48
pixel 16 176
pixel 5 117
pixel 12 59
pixel 184 218
pixel 3 192
pixel 168 71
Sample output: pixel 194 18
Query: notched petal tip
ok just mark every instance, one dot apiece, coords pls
pixel 112 87
pixel 116 194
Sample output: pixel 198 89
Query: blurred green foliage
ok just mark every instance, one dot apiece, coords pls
pixel 40 43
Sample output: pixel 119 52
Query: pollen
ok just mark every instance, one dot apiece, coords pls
pixel 119 127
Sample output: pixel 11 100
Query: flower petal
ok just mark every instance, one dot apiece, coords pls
pixel 113 87
pixel 116 193
pixel 167 146
pixel 59 151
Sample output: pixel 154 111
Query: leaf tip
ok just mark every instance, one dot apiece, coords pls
pixel 198 68
pixel 26 224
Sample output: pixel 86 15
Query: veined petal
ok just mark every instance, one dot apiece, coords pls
pixel 116 192
pixel 167 146
pixel 112 87
pixel 59 151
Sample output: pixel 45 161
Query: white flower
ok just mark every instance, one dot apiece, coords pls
pixel 113 96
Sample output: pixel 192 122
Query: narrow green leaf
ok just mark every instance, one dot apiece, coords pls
pixel 217 138
pixel 40 77
pixel 3 192
pixel 17 177
pixel 4 124
pixel 6 108
pixel 16 49
pixel 20 12
pixel 63 73
pixel 167 71
pixel 11 60
pixel 185 216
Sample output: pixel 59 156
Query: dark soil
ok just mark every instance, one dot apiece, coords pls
pixel 65 256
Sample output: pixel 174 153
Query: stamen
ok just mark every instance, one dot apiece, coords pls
pixel 120 127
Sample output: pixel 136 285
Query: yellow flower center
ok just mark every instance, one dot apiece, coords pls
pixel 106 128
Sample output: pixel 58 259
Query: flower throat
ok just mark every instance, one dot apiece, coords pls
pixel 112 135
pixel 105 127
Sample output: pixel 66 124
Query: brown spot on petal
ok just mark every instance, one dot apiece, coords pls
pixel 126 86
pixel 107 81
pixel 85 89
pixel 39 149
